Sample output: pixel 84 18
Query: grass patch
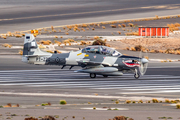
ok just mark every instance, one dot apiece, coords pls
pixel 128 101
pixel 133 101
pixel 57 42
pixel 119 32
pixel 84 25
pixel 63 102
pixel 43 104
pixel 20 52
pixel 155 100
pixel 140 101
pixel 48 42
pixel 117 101
pixel 113 26
pixel 99 42
pixel 14 115
pixel 123 25
pixel 56 116
pixel 119 25
pixel 131 25
pixel 167 101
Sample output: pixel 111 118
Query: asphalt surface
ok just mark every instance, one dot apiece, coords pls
pixel 25 15
pixel 161 80
pixel 30 85
pixel 148 85
pixel 77 6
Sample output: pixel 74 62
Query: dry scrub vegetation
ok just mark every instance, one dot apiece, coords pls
pixel 154 45
pixel 98 41
pixel 173 27
pixel 7 45
pixel 92 26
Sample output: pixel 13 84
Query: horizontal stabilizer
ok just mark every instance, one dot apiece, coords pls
pixel 34 55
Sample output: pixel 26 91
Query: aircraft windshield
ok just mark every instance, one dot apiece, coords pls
pixel 109 51
pixel 102 50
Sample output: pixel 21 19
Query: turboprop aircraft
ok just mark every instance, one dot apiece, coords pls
pixel 95 60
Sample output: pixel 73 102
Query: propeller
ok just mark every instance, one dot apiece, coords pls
pixel 143 62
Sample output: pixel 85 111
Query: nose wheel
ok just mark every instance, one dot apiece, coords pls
pixel 92 75
pixel 136 74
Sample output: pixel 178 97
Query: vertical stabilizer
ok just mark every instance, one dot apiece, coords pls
pixel 31 48
pixel 30 45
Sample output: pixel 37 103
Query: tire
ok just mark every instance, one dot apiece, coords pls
pixel 92 75
pixel 105 76
pixel 137 76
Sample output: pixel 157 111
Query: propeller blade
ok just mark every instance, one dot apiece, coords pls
pixel 143 61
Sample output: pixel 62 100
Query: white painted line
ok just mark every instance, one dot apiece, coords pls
pixel 167 91
pixel 75 95
pixel 105 108
pixel 57 95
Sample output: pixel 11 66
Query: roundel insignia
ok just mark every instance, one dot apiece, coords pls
pixel 57 59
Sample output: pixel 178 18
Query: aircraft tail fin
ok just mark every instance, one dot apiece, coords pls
pixel 31 48
pixel 30 45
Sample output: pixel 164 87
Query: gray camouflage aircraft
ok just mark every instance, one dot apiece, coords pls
pixel 95 60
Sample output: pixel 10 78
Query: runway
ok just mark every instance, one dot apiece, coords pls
pixel 148 85
pixel 26 15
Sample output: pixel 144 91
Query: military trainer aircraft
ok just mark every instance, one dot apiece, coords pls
pixel 95 60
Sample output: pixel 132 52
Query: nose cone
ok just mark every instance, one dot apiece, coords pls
pixel 144 60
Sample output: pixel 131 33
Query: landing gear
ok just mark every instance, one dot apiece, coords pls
pixel 92 75
pixel 136 74
pixel 105 76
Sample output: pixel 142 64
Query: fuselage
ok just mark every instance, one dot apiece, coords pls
pixel 71 59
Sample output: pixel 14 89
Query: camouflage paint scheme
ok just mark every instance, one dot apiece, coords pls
pixel 92 59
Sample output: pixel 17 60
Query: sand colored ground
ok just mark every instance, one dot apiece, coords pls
pixel 153 43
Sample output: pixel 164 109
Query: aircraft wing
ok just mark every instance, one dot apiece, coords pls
pixel 87 62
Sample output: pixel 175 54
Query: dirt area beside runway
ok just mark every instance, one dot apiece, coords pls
pixel 113 32
pixel 153 43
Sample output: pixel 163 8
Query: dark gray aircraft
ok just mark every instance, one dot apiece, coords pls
pixel 95 60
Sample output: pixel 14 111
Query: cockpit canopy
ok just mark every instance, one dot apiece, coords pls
pixel 101 50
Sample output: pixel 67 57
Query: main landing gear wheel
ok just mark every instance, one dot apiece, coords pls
pixel 105 76
pixel 92 75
